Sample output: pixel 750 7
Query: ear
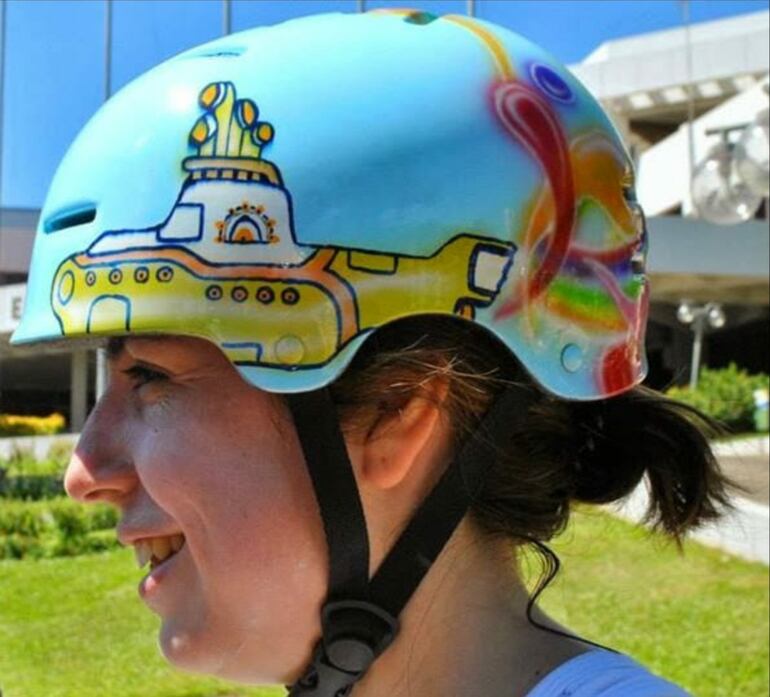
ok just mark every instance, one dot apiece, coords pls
pixel 398 441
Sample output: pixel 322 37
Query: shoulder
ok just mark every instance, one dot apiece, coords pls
pixel 604 674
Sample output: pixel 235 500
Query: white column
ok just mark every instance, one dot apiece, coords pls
pixel 1 377
pixel 102 372
pixel 78 389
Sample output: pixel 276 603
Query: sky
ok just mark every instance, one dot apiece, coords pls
pixel 54 79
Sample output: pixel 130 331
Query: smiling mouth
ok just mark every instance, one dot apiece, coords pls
pixel 156 550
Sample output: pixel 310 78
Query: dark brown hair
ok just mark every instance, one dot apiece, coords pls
pixel 562 452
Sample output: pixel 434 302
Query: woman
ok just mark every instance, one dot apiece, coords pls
pixel 362 352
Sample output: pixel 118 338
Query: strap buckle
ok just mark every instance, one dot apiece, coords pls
pixel 355 633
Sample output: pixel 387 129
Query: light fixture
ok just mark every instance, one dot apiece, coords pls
pixel 719 193
pixel 752 154
pixel 685 313
pixel 699 317
pixel 716 317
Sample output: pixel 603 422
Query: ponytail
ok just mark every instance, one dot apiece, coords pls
pixel 561 452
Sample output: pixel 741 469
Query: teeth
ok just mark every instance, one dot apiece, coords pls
pixel 161 548
pixel 157 549
pixel 143 552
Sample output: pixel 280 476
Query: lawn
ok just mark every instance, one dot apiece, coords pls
pixel 75 627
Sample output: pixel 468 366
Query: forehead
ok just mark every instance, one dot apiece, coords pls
pixel 160 345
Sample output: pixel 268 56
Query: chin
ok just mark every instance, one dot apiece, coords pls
pixel 191 650
pixel 198 651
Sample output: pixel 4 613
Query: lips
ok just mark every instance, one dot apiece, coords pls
pixel 161 552
pixel 152 547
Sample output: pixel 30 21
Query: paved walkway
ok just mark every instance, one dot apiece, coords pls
pixel 752 474
pixel 745 531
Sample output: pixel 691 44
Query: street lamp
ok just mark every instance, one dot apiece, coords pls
pixel 730 184
pixel 698 317
pixel 721 192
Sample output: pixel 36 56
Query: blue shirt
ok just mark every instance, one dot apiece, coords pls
pixel 604 674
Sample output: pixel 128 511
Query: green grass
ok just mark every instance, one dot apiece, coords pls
pixel 699 619
pixel 75 627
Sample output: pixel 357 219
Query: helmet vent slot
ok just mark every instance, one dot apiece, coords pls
pixel 420 18
pixel 70 217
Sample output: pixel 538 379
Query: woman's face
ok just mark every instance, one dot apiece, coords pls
pixel 183 446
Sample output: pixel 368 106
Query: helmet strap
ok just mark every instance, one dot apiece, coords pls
pixel 359 620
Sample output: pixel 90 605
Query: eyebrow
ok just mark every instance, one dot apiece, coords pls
pixel 115 346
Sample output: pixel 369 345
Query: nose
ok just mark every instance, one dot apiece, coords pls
pixel 101 467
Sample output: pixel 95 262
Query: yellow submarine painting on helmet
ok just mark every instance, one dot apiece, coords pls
pixel 456 169
pixel 277 302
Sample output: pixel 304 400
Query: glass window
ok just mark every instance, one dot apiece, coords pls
pixel 54 81
pixel 147 32
pixel 247 14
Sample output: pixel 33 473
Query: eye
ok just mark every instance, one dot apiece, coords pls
pixel 141 375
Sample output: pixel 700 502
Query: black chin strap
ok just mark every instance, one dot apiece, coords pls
pixel 359 620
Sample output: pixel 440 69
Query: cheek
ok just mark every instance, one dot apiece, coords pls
pixel 264 523
pixel 238 487
pixel 203 447
pixel 229 484
pixel 259 573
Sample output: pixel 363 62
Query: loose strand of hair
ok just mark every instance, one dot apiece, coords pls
pixel 552 566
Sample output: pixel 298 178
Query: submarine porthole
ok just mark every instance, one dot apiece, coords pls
pixel 214 292
pixel 290 296
pixel 66 287
pixel 265 295
pixel 239 294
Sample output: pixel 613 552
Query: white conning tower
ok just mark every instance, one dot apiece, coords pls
pixel 232 197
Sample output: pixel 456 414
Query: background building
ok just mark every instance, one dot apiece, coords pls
pixel 59 59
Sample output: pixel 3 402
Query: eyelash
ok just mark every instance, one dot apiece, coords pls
pixel 141 375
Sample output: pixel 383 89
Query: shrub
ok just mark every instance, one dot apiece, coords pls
pixel 75 518
pixel 19 459
pixel 59 453
pixel 71 520
pixel 23 519
pixel 101 517
pixel 15 546
pixel 12 425
pixel 22 461
pixel 726 394
pixel 25 478
pixel 31 487
pixel 58 527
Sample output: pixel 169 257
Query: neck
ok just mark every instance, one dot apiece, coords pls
pixel 465 631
